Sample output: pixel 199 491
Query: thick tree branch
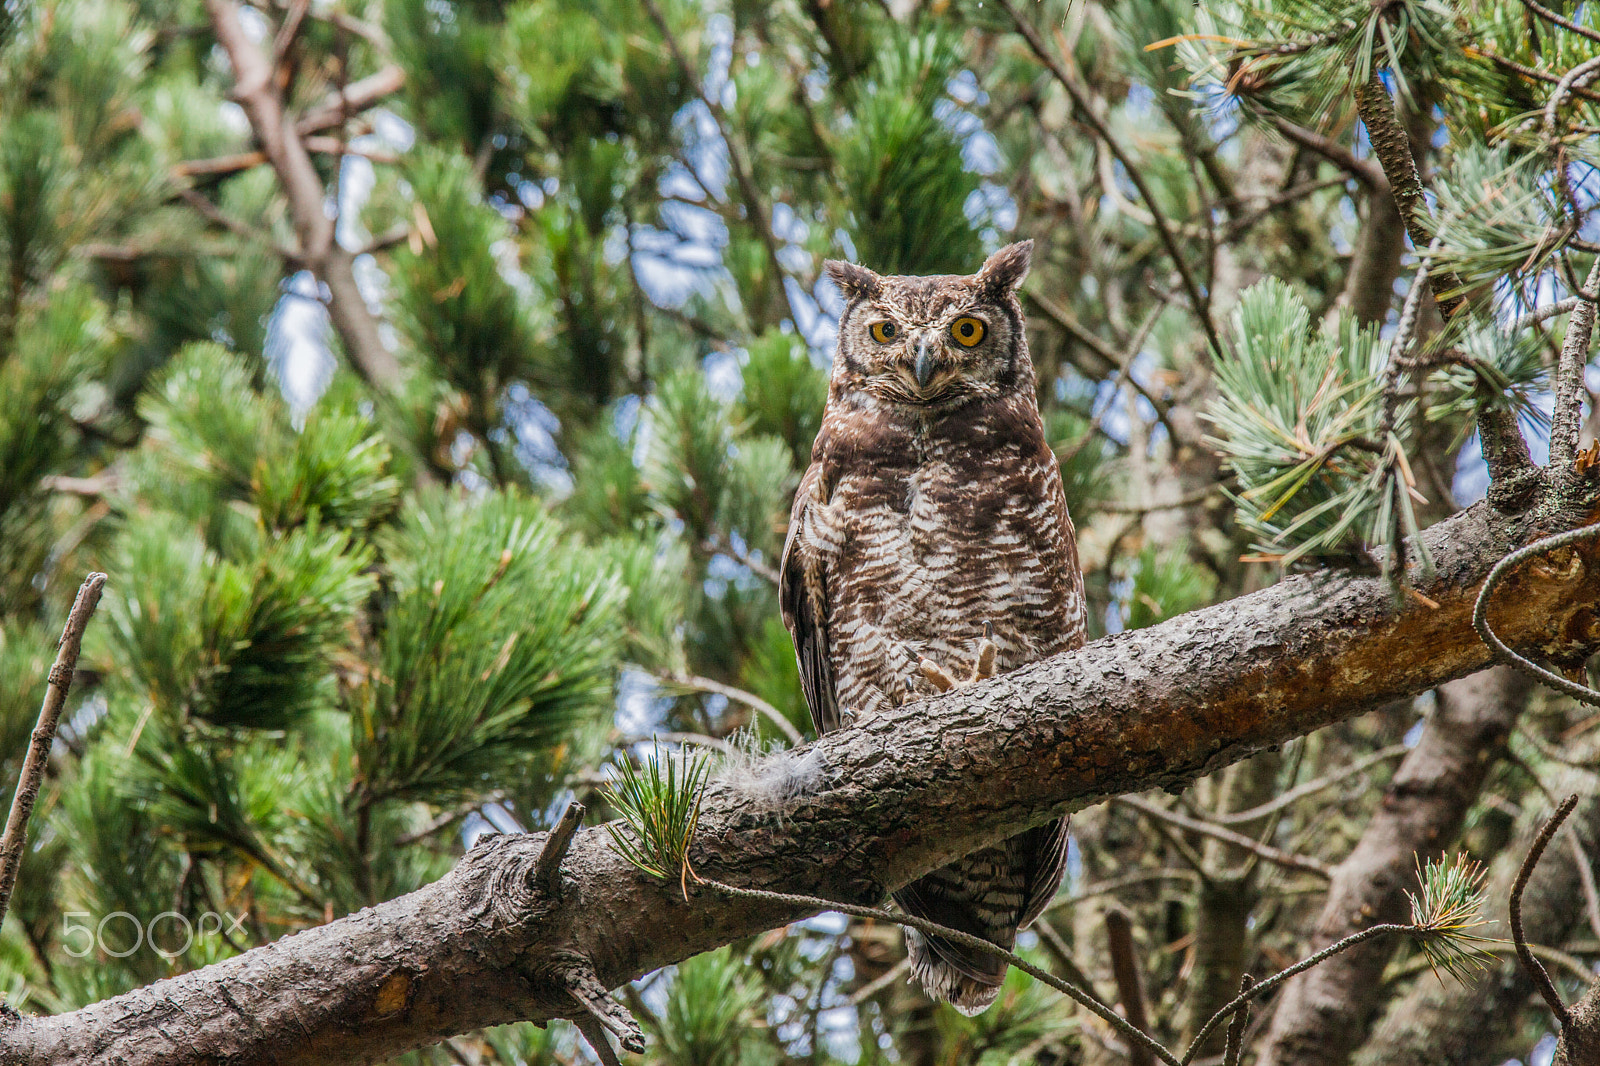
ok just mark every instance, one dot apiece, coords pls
pixel 903 793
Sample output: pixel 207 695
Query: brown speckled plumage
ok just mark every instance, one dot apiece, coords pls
pixel 933 505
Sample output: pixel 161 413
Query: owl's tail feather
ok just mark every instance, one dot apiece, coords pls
pixel 989 894
pixel 966 979
pixel 960 896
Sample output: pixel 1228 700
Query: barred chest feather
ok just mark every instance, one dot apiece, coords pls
pixel 925 530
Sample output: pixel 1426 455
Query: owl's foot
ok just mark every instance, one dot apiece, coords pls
pixel 982 669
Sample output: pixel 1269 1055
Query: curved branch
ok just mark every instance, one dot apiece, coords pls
pixel 1535 969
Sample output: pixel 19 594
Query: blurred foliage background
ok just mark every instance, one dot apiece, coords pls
pixel 356 620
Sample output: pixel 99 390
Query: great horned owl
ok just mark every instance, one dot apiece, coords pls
pixel 929 546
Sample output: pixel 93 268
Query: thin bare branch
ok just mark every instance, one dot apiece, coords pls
pixel 695 683
pixel 1535 74
pixel 879 983
pixel 44 734
pixel 356 97
pixel 291 26
pixel 1124 375
pixel 755 205
pixel 1281 976
pixel 1200 303
pixel 1591 898
pixel 1560 20
pixel 1541 314
pixel 1569 388
pixel 389 238
pixel 719 544
pixel 1235 1045
pixel 98 485
pixel 1574 79
pixel 1300 792
pixel 1194 825
pixel 1365 171
pixel 1078 995
pixel 239 228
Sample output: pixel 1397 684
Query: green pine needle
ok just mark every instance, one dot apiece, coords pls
pixel 660 802
pixel 1451 904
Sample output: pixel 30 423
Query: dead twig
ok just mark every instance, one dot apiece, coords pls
pixel 547 869
pixel 600 1013
pixel 44 734
pixel 1234 1047
pixel 1194 825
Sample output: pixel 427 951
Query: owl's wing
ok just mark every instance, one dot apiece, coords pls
pixel 803 600
pixel 1048 850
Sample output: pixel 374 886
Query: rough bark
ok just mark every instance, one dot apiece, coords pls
pixel 1381 240
pixel 1392 145
pixel 904 793
pixel 1453 1024
pixel 1324 1014
pixel 1580 1037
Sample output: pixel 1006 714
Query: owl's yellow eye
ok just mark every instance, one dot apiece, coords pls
pixel 967 331
pixel 883 332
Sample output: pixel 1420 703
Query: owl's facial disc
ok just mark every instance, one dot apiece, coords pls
pixel 928 362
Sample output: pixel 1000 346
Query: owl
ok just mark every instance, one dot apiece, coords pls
pixel 929 546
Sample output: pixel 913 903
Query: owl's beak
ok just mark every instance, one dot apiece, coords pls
pixel 925 367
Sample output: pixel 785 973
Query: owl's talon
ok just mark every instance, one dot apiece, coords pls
pixel 984 667
pixel 847 718
pixel 936 674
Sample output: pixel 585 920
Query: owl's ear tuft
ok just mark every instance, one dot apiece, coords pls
pixel 1004 270
pixel 856 282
